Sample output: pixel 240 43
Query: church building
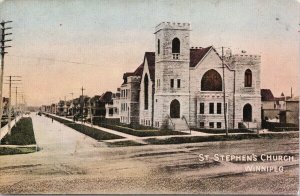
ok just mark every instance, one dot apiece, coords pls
pixel 182 87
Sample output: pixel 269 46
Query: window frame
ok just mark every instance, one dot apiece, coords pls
pixel 211 108
pixel 219 108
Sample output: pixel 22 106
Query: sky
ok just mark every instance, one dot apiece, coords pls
pixel 60 46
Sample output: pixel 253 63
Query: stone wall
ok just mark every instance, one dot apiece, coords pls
pixel 146 114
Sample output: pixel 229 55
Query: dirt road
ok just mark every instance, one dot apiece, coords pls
pixel 70 162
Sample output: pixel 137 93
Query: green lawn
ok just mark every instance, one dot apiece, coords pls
pixel 222 131
pixel 21 134
pixel 17 150
pixel 123 144
pixel 142 133
pixel 196 139
pixel 92 132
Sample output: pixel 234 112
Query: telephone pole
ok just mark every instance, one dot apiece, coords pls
pixel 9 99
pixel 2 47
pixel 82 103
pixel 72 105
pixel 224 93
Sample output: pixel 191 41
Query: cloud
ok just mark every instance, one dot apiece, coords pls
pixel 1 1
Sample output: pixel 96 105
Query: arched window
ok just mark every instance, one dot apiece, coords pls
pixel 176 45
pixel 146 93
pixel 248 78
pixel 175 109
pixel 211 81
pixel 247 113
pixel 158 46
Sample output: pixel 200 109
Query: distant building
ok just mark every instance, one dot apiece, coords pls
pixel 292 111
pixel 112 109
pixel 270 111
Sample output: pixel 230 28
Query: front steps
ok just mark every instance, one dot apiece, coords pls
pixel 180 124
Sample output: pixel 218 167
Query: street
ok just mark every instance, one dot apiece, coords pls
pixel 70 162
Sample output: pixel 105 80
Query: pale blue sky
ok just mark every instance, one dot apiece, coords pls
pixel 110 37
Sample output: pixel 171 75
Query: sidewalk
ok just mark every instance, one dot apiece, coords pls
pixel 126 136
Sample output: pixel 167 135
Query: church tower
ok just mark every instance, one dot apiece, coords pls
pixel 172 57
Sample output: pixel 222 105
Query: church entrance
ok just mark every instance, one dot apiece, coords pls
pixel 175 109
pixel 247 113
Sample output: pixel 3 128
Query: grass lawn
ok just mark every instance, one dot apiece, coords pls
pixel 92 132
pixel 21 134
pixel 195 139
pixel 142 133
pixel 222 131
pixel 124 144
pixel 17 150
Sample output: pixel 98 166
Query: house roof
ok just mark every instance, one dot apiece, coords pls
pixel 95 98
pixel 197 54
pixel 106 97
pixel 266 95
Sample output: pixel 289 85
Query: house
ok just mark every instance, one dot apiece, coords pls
pixel 105 98
pixel 95 105
pixel 112 109
pixel 292 110
pixel 181 86
pixel 270 111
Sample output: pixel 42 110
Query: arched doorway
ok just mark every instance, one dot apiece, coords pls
pixel 247 113
pixel 175 109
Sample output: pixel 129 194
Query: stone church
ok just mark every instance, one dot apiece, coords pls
pixel 181 86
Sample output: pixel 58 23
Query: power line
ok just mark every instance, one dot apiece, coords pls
pixel 52 59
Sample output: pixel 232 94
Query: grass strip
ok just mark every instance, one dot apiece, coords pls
pixel 21 134
pixel 17 150
pixel 124 143
pixel 89 131
pixel 196 139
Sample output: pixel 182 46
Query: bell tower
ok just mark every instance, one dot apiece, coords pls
pixel 172 57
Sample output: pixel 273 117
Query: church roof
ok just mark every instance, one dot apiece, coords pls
pixel 197 54
pixel 266 95
pixel 150 56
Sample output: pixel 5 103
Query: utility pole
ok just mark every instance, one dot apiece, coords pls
pixel 9 99
pixel 91 112
pixel 73 105
pixel 224 93
pixel 65 107
pixel 2 47
pixel 82 102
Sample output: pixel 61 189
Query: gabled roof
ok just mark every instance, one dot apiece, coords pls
pixel 150 57
pixel 197 54
pixel 266 95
